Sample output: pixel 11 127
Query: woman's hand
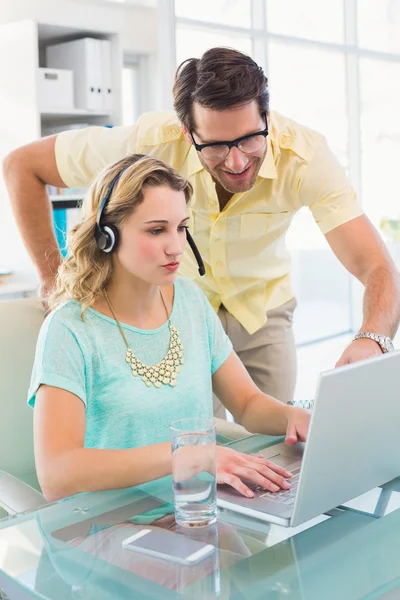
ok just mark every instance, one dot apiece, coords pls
pixel 298 420
pixel 234 466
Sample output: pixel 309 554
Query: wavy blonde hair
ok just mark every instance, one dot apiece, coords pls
pixel 87 269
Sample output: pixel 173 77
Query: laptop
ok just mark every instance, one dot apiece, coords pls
pixel 352 446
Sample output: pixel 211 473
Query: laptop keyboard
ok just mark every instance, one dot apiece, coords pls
pixel 286 497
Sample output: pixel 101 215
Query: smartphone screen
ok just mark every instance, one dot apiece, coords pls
pixel 168 545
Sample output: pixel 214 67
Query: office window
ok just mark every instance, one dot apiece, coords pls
pixel 308 85
pixel 379 25
pixel 130 93
pixel 312 19
pixel 226 12
pixel 191 41
pixel 380 138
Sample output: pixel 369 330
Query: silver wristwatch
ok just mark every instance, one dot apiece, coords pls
pixel 307 404
pixel 384 341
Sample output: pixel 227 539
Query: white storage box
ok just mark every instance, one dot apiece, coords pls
pixel 91 62
pixel 55 89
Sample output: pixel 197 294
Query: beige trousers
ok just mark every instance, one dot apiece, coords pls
pixel 269 354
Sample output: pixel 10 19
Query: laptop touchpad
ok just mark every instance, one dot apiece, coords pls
pixel 283 461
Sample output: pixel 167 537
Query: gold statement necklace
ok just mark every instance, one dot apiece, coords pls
pixel 164 372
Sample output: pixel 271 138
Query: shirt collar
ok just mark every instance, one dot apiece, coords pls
pixel 267 170
pixel 193 164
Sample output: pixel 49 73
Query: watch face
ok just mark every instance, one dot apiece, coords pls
pixel 389 345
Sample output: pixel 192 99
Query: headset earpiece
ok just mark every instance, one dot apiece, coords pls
pixel 107 238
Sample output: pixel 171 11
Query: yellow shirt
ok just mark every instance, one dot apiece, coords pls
pixel 243 246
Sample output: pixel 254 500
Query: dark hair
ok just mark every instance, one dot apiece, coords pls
pixel 222 78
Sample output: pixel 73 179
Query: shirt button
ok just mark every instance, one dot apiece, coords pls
pixel 217 239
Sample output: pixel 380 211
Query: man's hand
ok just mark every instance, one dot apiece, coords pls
pixel 46 288
pixel 297 426
pixel 359 350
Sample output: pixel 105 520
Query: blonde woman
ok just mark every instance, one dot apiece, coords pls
pixel 129 347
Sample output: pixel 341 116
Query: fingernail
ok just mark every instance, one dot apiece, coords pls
pixel 275 488
pixel 289 474
pixel 249 493
pixel 286 485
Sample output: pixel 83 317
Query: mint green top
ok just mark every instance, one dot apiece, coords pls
pixel 87 358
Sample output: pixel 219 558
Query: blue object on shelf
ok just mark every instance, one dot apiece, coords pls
pixel 60 228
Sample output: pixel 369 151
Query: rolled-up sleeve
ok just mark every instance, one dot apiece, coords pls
pixel 325 189
pixel 82 153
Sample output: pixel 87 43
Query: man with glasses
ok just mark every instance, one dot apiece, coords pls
pixel 252 169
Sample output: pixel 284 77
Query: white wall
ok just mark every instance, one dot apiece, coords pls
pixel 136 25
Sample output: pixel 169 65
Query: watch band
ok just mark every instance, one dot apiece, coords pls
pixel 307 404
pixel 384 341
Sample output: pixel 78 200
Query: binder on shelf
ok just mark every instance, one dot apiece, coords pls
pixel 94 65
pixel 107 74
pixel 84 57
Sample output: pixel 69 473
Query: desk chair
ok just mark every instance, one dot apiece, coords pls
pixel 20 322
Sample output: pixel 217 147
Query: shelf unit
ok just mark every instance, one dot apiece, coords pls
pixel 57 114
pixel 22 52
pixel 61 197
pixel 61 202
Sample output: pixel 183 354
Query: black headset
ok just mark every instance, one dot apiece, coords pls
pixel 107 236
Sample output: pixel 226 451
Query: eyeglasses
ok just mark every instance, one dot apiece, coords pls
pixel 220 150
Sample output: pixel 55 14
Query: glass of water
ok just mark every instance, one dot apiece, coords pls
pixel 193 471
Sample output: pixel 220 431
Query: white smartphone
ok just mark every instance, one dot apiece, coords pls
pixel 168 545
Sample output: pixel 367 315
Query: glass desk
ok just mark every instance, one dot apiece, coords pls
pixel 72 550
